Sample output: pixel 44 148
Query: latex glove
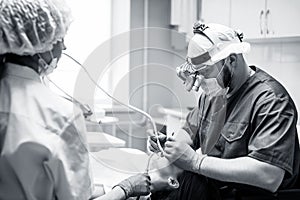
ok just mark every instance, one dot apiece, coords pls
pixel 152 141
pixel 138 185
pixel 183 155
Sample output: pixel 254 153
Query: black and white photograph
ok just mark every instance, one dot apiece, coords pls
pixel 149 99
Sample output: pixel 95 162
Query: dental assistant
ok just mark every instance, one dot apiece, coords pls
pixel 43 148
pixel 242 134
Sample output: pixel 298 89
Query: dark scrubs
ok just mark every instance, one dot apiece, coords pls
pixel 260 123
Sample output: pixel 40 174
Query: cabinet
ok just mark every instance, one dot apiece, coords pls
pixel 282 18
pixel 255 18
pixel 248 16
pixel 266 18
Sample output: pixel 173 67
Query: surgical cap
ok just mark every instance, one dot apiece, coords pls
pixel 28 27
pixel 214 42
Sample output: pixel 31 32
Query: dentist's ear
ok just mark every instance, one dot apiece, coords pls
pixel 233 59
pixel 173 183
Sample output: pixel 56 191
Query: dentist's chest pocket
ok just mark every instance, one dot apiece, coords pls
pixel 234 139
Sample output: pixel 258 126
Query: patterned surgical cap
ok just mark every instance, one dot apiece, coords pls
pixel 28 27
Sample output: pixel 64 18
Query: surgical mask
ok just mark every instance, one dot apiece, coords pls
pixel 211 86
pixel 45 68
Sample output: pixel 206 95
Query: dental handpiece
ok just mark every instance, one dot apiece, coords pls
pixel 119 102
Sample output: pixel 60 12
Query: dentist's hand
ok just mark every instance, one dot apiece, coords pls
pixel 152 141
pixel 183 155
pixel 138 185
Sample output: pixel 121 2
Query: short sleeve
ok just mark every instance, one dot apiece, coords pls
pixel 274 134
pixel 191 123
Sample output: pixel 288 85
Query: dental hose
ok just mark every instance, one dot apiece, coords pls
pixel 147 171
pixel 119 102
pixel 128 106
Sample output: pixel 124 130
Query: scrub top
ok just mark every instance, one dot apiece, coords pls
pixel 42 141
pixel 260 122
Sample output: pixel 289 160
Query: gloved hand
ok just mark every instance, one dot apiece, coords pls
pixel 152 141
pixel 183 156
pixel 136 185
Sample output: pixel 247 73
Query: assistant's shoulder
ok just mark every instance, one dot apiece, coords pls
pixel 56 106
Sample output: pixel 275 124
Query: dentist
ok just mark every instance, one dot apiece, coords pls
pixel 242 134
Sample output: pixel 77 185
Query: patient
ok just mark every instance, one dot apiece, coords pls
pixel 163 174
pixel 112 165
pixel 164 178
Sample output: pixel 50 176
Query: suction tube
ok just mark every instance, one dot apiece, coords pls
pixel 119 102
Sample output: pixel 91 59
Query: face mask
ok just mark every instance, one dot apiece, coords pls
pixel 211 87
pixel 45 68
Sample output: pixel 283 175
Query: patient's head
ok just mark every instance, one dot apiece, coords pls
pixel 163 174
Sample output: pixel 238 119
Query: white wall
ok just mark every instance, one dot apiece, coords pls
pixel 91 26
pixel 114 77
